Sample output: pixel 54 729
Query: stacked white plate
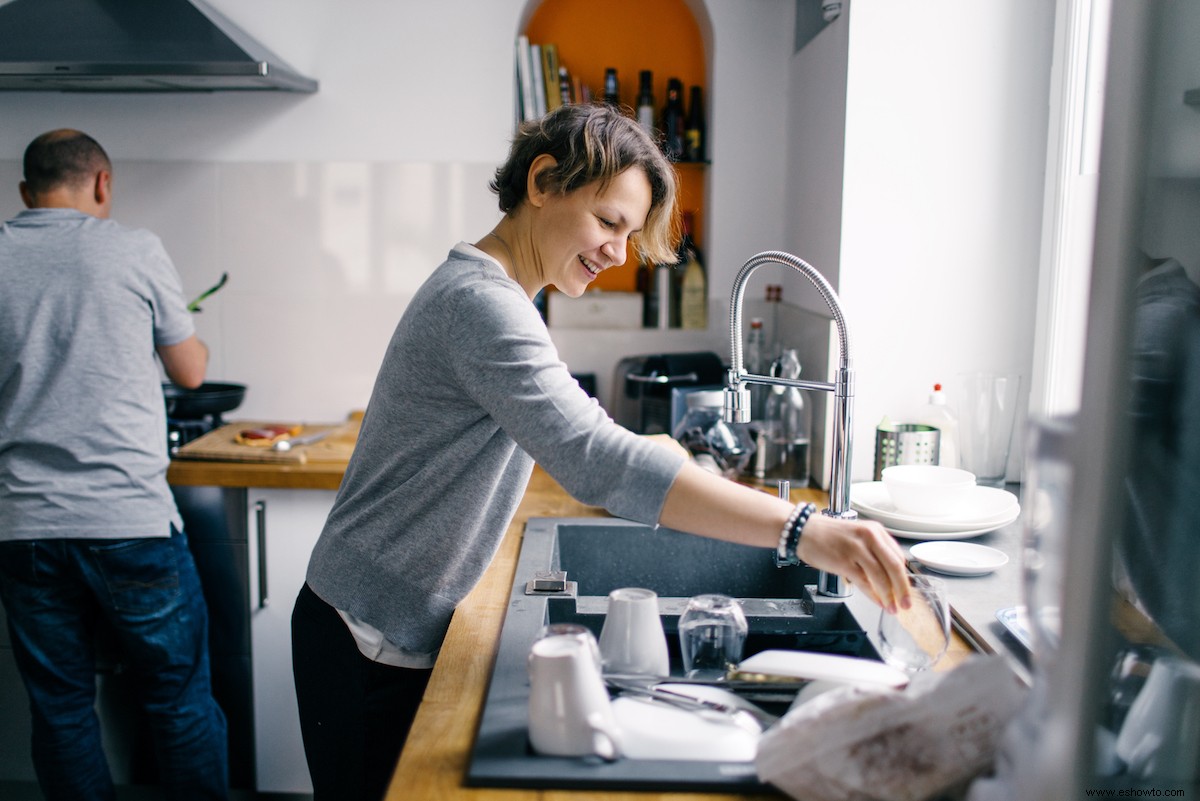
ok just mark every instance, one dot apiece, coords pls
pixel 988 510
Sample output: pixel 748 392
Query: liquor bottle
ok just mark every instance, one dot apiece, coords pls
pixel 645 285
pixel 695 132
pixel 693 304
pixel 672 120
pixel 612 92
pixel 756 362
pixel 645 100
pixel 755 357
pixel 775 299
pixel 789 423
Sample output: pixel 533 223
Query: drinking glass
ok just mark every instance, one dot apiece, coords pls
pixel 712 632
pixel 915 639
pixel 987 412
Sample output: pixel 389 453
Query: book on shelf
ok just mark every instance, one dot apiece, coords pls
pixel 550 76
pixel 525 78
pixel 539 81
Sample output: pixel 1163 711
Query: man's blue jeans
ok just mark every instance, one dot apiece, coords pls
pixel 148 591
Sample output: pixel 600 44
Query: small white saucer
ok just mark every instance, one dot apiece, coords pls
pixel 959 558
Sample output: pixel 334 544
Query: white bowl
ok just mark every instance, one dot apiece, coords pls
pixel 929 490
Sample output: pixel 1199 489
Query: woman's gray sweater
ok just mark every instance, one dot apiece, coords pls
pixel 471 392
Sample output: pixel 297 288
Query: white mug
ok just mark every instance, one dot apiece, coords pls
pixel 633 640
pixel 569 709
pixel 1160 738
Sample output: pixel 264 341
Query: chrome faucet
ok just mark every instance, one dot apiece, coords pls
pixel 737 391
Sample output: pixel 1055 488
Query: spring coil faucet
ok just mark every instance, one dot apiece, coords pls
pixel 738 381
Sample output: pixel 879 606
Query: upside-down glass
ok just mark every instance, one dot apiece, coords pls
pixel 915 639
pixel 712 633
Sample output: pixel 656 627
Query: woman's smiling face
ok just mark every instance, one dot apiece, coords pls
pixel 585 232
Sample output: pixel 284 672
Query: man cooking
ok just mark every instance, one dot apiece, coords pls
pixel 89 532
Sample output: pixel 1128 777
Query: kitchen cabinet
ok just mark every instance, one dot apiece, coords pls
pixel 283 525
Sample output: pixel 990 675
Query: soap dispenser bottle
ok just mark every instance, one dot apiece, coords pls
pixel 937 414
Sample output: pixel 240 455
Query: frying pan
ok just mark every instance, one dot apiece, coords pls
pixel 208 398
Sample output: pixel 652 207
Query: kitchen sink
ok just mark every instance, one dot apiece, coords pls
pixel 597 555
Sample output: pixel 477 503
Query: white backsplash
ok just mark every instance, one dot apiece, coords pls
pixel 322 259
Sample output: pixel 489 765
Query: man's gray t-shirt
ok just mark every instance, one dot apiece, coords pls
pixel 470 393
pixel 83 303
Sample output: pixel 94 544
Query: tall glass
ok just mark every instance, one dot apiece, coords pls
pixel 915 639
pixel 987 413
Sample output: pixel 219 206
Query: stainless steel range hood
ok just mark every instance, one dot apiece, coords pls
pixel 133 46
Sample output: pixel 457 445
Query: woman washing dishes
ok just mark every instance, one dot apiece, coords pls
pixel 470 394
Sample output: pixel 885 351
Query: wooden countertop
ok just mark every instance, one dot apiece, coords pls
pixel 322 468
pixel 438 750
pixel 435 759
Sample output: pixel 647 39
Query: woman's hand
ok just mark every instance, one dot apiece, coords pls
pixel 861 551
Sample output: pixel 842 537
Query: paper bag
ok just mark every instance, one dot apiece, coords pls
pixel 874 744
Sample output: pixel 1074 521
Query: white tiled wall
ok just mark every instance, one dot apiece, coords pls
pixel 322 259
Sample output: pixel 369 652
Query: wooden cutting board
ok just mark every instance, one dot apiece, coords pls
pixel 221 444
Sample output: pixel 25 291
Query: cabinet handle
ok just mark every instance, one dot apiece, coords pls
pixel 260 514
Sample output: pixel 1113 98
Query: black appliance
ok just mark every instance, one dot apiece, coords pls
pixel 214 519
pixel 643 385
pixel 192 413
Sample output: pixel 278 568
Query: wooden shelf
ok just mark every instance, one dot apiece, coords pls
pixel 632 35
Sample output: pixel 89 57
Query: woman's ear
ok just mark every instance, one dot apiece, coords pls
pixel 533 190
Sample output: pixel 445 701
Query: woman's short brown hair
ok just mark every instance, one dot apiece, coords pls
pixel 593 142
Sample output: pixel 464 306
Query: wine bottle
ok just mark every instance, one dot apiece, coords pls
pixel 693 306
pixel 672 120
pixel 645 100
pixel 695 132
pixel 564 86
pixel 645 285
pixel 612 92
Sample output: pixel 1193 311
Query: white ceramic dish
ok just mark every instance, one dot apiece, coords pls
pixel 652 730
pixel 964 534
pixel 959 558
pixel 929 490
pixel 990 508
pixel 824 667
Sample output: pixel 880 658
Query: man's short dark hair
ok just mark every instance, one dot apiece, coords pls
pixel 62 158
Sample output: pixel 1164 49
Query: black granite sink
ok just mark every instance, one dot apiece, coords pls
pixel 598 555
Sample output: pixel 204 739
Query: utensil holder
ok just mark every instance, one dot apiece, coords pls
pixel 905 443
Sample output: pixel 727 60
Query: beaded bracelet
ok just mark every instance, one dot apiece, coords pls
pixel 789 537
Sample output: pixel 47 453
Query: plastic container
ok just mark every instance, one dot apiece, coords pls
pixel 937 413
